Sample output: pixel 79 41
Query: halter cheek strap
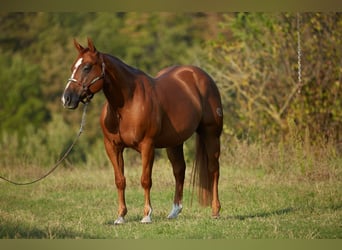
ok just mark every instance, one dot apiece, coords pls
pixel 86 88
pixel 96 78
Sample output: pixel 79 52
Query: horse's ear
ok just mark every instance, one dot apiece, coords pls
pixel 78 46
pixel 91 45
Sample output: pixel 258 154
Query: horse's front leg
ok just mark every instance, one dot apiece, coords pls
pixel 115 155
pixel 147 156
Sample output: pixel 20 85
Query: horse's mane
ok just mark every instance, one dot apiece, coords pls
pixel 117 60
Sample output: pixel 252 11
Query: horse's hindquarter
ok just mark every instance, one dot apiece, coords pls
pixel 181 102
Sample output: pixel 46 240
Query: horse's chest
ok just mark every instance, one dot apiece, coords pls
pixel 131 131
pixel 120 130
pixel 131 125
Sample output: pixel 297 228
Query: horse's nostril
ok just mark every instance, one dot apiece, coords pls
pixel 66 99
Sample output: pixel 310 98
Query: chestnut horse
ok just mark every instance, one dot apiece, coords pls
pixel 145 113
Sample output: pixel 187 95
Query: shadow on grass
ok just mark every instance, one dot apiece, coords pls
pixel 17 230
pixel 277 212
pixel 263 214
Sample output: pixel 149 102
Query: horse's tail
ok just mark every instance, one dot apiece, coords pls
pixel 201 176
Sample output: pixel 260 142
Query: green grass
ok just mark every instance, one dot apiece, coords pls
pixel 258 201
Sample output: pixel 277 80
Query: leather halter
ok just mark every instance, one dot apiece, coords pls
pixel 86 88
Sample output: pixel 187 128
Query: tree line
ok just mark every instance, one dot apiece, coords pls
pixel 252 56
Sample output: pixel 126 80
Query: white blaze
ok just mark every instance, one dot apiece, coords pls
pixel 77 65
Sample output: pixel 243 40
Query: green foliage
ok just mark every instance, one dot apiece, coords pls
pixel 41 147
pixel 22 103
pixel 319 105
pixel 252 57
pixel 255 63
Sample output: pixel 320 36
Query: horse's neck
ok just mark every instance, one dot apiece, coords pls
pixel 119 81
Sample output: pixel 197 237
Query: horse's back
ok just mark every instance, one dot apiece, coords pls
pixel 188 75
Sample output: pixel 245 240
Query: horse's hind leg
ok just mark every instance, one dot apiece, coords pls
pixel 176 157
pixel 212 145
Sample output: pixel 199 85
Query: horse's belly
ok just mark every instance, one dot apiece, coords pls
pixel 166 141
pixel 176 134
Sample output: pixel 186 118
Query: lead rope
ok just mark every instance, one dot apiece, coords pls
pixel 65 155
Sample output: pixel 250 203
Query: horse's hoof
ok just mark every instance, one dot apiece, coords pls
pixel 215 217
pixel 176 209
pixel 146 220
pixel 119 221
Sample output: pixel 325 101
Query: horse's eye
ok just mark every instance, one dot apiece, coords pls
pixel 87 68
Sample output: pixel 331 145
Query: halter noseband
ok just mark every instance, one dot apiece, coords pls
pixel 86 88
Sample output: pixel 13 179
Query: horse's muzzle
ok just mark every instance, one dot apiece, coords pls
pixel 70 100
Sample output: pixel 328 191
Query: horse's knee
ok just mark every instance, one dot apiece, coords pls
pixel 120 183
pixel 146 183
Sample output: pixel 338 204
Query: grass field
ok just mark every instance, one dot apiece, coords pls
pixel 262 196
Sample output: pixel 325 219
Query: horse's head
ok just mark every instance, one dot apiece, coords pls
pixel 87 76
